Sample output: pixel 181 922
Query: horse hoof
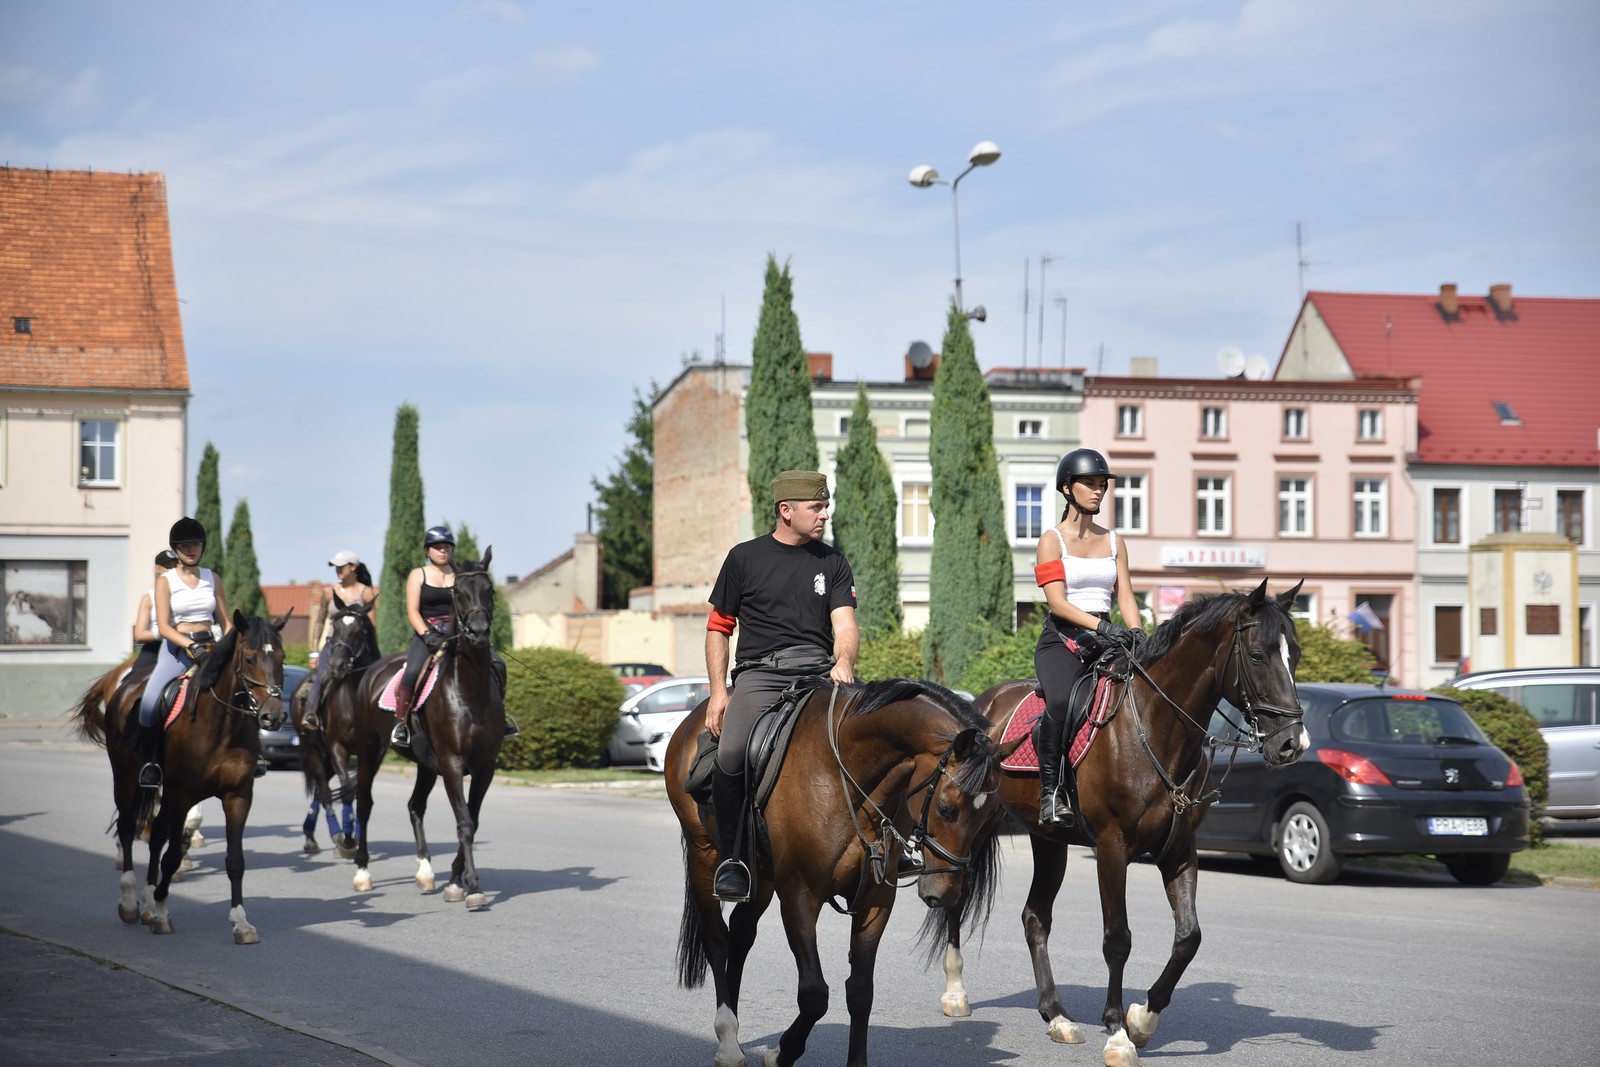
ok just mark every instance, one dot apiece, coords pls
pixel 197 840
pixel 246 936
pixel 425 884
pixel 128 915
pixel 720 1061
pixel 1120 1051
pixel 1064 1031
pixel 343 852
pixel 1141 1024
pixel 955 1005
pixel 477 900
pixel 770 1057
pixel 311 847
pixel 454 894
pixel 363 882
pixel 161 925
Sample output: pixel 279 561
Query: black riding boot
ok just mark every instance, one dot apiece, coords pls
pixel 732 881
pixel 148 745
pixel 1055 807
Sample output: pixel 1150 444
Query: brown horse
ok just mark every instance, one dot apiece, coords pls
pixel 873 774
pixel 460 730
pixel 210 750
pixel 1143 787
pixel 326 751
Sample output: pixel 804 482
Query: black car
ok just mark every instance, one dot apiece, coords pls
pixel 281 747
pixel 1389 772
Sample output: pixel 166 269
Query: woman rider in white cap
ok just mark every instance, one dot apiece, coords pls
pixel 355 587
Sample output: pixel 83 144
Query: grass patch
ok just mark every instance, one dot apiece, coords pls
pixel 1559 861
pixel 586 776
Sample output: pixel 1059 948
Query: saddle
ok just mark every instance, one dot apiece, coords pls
pixel 425 683
pixel 764 756
pixel 1083 729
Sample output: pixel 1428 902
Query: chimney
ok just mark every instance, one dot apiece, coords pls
pixel 926 373
pixel 820 365
pixel 1449 302
pixel 1500 299
pixel 1142 367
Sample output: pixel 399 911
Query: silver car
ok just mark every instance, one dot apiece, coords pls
pixel 1566 701
pixel 653 713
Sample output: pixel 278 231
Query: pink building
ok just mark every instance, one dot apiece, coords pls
pixel 1223 482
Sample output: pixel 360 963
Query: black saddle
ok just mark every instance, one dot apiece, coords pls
pixel 764 756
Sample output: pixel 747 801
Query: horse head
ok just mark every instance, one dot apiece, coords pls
pixel 349 640
pixel 957 813
pixel 250 660
pixel 1263 655
pixel 473 599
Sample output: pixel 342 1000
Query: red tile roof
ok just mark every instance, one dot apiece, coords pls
pixel 280 598
pixel 87 259
pixel 1543 360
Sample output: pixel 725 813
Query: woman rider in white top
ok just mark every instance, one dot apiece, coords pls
pixel 1080 568
pixel 189 602
pixel 144 616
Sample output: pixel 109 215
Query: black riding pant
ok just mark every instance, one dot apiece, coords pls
pixel 418 652
pixel 754 691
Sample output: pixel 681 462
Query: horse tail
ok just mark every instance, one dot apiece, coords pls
pixel 691 948
pixel 147 808
pixel 89 717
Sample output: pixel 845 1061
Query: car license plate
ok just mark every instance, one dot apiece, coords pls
pixel 1459 827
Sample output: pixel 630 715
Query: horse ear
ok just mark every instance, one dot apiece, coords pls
pixel 965 742
pixel 488 554
pixel 279 623
pixel 238 618
pixel 1286 599
pixel 1258 596
pixel 1011 746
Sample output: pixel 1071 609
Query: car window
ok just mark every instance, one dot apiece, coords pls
pixel 1554 703
pixel 1404 720
pixel 675 697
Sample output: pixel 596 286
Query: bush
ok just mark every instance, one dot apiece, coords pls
pixel 1327 657
pixel 566 704
pixel 1003 658
pixel 894 655
pixel 296 653
pixel 1515 732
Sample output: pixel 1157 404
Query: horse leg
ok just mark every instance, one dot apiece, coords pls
pixel 1182 876
pixel 345 842
pixel 366 771
pixel 800 924
pixel 1111 863
pixel 482 778
pixel 866 930
pixel 417 808
pixel 127 813
pixel 324 795
pixel 165 855
pixel 954 1003
pixel 463 872
pixel 1049 869
pixel 236 809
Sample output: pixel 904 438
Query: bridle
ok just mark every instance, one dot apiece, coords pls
pixel 343 638
pixel 1250 694
pixel 476 612
pixel 247 687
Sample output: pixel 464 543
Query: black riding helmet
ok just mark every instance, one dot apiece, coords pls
pixel 1080 463
pixel 185 529
pixel 438 535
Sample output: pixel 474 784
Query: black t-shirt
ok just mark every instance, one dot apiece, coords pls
pixel 783 595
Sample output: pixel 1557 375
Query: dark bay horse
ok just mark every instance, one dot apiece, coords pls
pixel 352 647
pixel 1143 787
pixel 210 750
pixel 461 727
pixel 895 767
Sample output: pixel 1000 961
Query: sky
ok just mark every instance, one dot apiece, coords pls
pixel 515 215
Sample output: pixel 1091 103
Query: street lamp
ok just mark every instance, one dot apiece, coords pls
pixel 982 154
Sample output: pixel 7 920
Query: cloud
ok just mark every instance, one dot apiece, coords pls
pixel 566 60
pixel 59 101
pixel 504 10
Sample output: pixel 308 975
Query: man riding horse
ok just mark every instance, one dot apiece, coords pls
pixel 797 600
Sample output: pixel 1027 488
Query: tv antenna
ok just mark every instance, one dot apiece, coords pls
pixel 1302 264
pixel 718 350
pixel 1045 259
pixel 1061 302
pixel 1025 263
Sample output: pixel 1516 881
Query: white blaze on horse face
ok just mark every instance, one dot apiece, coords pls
pixel 977 801
pixel 267 648
pixel 1283 653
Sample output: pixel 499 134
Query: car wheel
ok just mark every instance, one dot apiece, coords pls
pixel 1479 868
pixel 1305 849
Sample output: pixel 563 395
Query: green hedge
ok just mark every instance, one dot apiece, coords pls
pixel 1004 658
pixel 1515 732
pixel 891 656
pixel 1327 657
pixel 566 704
pixel 297 654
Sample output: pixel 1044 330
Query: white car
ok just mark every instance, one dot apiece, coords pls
pixel 649 716
pixel 1566 701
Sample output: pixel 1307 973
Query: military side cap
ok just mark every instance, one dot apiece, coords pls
pixel 799 485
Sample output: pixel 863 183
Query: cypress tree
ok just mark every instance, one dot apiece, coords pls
pixel 970 575
pixel 208 511
pixel 863 525
pixel 241 582
pixel 500 628
pixel 626 509
pixel 777 408
pixel 402 544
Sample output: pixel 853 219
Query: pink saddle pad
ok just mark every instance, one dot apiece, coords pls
pixel 1024 758
pixel 430 674
pixel 179 702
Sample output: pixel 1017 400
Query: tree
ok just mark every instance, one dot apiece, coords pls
pixel 970 574
pixel 402 544
pixel 500 629
pixel 241 582
pixel 863 524
pixel 1327 657
pixel 626 509
pixel 777 408
pixel 208 511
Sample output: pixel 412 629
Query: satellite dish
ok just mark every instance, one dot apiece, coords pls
pixel 1256 368
pixel 920 355
pixel 1231 361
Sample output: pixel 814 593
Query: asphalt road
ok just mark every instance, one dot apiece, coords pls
pixel 573 962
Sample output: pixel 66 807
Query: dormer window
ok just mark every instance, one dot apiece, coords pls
pixel 22 324
pixel 1508 417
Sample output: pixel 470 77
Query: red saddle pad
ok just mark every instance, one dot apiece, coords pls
pixel 1021 725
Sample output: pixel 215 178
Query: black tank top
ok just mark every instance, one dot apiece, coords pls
pixel 434 600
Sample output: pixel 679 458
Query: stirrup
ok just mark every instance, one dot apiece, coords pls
pixel 1055 811
pixel 311 722
pixel 400 736
pixel 512 729
pixel 150 776
pixel 732 882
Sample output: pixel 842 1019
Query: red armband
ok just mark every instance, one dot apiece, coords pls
pixel 722 624
pixel 1053 571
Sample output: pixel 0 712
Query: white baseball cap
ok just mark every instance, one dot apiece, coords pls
pixel 342 558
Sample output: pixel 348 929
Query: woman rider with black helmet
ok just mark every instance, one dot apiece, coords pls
pixel 1081 570
pixel 189 605
pixel 430 607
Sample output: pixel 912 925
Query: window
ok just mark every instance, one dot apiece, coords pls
pixel 915 428
pixel 1372 507
pixel 916 518
pixel 1447 516
pixel 1369 425
pixel 1557 704
pixel 1447 633
pixel 1489 621
pixel 1131 512
pixel 1294 424
pixel 22 324
pixel 97 452
pixel 1213 422
pixel 1569 514
pixel 1543 620
pixel 1029 512
pixel 844 425
pixel 1130 420
pixel 1305 607
pixel 1294 507
pixel 1211 498
pixel 1507 510
pixel 46 602
pixel 1030 427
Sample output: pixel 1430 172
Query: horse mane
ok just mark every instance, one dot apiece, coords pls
pixel 1205 612
pixel 259 632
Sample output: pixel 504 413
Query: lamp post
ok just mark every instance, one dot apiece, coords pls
pixel 982 154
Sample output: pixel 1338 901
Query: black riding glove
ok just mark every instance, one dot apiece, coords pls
pixel 1114 630
pixel 433 639
pixel 197 651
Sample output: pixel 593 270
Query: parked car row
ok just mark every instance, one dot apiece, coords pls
pixel 648 717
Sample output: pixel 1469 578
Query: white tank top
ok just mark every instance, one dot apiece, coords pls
pixel 153 611
pixel 1089 581
pixel 193 605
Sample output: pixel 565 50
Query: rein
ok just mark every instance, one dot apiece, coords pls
pixel 242 684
